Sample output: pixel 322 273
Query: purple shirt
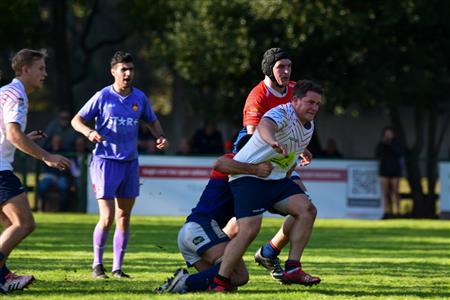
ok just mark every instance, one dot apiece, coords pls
pixel 117 120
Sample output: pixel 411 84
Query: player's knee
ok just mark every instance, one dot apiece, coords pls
pixel 241 279
pixel 123 223
pixel 248 229
pixel 309 212
pixel 240 276
pixel 249 232
pixel 29 226
pixel 106 222
pixel 312 210
pixel 306 207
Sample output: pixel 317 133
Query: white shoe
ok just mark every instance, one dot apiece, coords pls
pixel 16 282
pixel 175 284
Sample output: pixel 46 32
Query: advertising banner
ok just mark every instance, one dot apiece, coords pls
pixel 172 185
pixel 444 179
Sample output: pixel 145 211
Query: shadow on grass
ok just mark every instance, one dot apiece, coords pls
pixel 349 290
pixel 359 261
pixel 373 242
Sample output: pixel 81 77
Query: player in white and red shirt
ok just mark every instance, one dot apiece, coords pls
pixel 282 135
pixel 291 133
pixel 30 70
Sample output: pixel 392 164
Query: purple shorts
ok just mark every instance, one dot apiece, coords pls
pixel 114 178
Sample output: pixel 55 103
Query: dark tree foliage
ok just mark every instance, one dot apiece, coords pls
pixel 390 54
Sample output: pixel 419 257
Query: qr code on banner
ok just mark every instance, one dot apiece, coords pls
pixel 363 182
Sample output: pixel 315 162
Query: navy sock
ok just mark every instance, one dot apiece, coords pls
pixel 292 264
pixel 3 271
pixel 269 250
pixel 201 280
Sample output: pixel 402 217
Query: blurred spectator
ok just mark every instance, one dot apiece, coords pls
pixel 61 126
pixel 77 167
pixel 51 178
pixel 331 150
pixel 81 151
pixel 389 152
pixel 207 140
pixel 184 147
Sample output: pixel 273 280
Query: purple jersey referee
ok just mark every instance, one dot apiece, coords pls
pixel 116 111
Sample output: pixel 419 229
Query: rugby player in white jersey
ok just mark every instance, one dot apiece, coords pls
pixel 281 137
pixel 15 213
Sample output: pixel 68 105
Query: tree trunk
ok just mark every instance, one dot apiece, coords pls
pixel 63 88
pixel 414 177
pixel 431 163
pixel 421 203
pixel 178 113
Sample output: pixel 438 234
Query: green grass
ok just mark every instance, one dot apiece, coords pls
pixel 394 259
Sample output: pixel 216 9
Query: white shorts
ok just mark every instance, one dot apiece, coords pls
pixel 194 239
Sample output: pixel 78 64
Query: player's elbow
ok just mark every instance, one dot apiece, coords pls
pixel 13 135
pixel 75 121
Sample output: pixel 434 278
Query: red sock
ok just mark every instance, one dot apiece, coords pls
pixel 222 281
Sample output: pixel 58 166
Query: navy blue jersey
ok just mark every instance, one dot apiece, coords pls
pixel 216 201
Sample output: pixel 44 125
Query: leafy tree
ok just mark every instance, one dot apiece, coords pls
pixel 73 24
pixel 381 53
pixel 21 24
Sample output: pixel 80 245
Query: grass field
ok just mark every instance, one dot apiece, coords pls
pixel 392 259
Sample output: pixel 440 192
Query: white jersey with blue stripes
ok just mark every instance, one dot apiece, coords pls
pixel 290 132
pixel 13 109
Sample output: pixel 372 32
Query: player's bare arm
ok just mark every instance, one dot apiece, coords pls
pixel 25 144
pixel 79 124
pixel 228 165
pixel 155 128
pixel 267 129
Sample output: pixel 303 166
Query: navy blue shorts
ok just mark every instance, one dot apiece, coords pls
pixel 10 186
pixel 253 196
